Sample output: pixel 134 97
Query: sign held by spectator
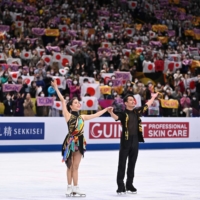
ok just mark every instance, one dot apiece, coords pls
pixel 45 101
pixel 11 87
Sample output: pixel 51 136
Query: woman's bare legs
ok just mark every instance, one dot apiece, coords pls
pixel 72 173
pixel 76 161
pixel 69 173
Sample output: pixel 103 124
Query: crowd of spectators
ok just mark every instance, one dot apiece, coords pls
pixel 100 37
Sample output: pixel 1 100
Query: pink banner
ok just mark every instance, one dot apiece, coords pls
pixel 11 87
pixel 45 101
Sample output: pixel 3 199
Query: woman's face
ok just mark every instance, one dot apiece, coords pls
pixel 28 96
pixel 75 105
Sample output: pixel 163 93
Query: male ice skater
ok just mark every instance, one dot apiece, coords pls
pixel 130 138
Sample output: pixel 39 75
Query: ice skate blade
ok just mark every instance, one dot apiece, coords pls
pixel 121 193
pixel 68 195
pixel 78 195
pixel 129 192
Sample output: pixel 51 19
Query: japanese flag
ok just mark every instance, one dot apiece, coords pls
pixel 171 65
pixel 26 55
pixel 2 57
pixel 61 82
pixel 192 86
pixel 15 16
pixel 14 75
pixel 130 31
pixel 152 34
pixel 89 103
pixel 148 6
pixel 103 18
pixel 81 10
pixel 139 50
pixel 106 44
pixel 47 59
pixel 63 28
pixel 66 59
pixel 62 71
pixel 57 105
pixel 19 24
pixel 72 49
pixel 132 4
pixel 148 67
pixel 92 89
pixel 16 61
pixel 126 52
pixel 138 102
pixel 28 79
pixel 40 52
pixel 107 76
pixel 90 79
pixel 57 57
pixel 109 35
pixel 154 54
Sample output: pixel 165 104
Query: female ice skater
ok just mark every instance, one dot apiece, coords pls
pixel 74 144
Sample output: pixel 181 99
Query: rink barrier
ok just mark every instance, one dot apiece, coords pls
pixel 47 134
pixel 98 147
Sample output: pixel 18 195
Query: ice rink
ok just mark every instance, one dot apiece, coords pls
pixel 160 174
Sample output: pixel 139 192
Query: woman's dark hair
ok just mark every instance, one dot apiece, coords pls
pixel 70 103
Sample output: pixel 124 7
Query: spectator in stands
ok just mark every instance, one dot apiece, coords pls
pixel 19 108
pixel 28 106
pixel 9 105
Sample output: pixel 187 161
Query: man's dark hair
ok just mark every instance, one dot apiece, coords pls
pixel 126 97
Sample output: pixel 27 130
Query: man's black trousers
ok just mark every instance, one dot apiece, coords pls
pixel 128 149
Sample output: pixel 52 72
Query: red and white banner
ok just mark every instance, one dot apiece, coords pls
pixel 106 44
pixel 63 28
pixel 61 82
pixel 57 105
pixel 19 24
pixel 26 55
pixel 107 76
pixel 47 59
pixel 152 34
pixel 130 31
pixel 14 75
pixel 72 49
pixel 109 35
pixel 171 65
pixel 89 103
pixel 126 52
pixel 92 89
pixel 40 52
pixel 132 4
pixel 62 59
pixel 148 67
pixel 28 79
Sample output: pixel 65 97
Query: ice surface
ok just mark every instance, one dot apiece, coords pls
pixel 160 174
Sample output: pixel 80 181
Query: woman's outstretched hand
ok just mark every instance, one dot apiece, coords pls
pixel 54 84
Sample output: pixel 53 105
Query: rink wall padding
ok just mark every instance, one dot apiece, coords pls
pixel 47 134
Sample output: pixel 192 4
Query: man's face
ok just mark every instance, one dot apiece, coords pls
pixel 130 102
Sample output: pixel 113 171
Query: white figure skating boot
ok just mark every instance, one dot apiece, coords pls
pixel 77 192
pixel 69 191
